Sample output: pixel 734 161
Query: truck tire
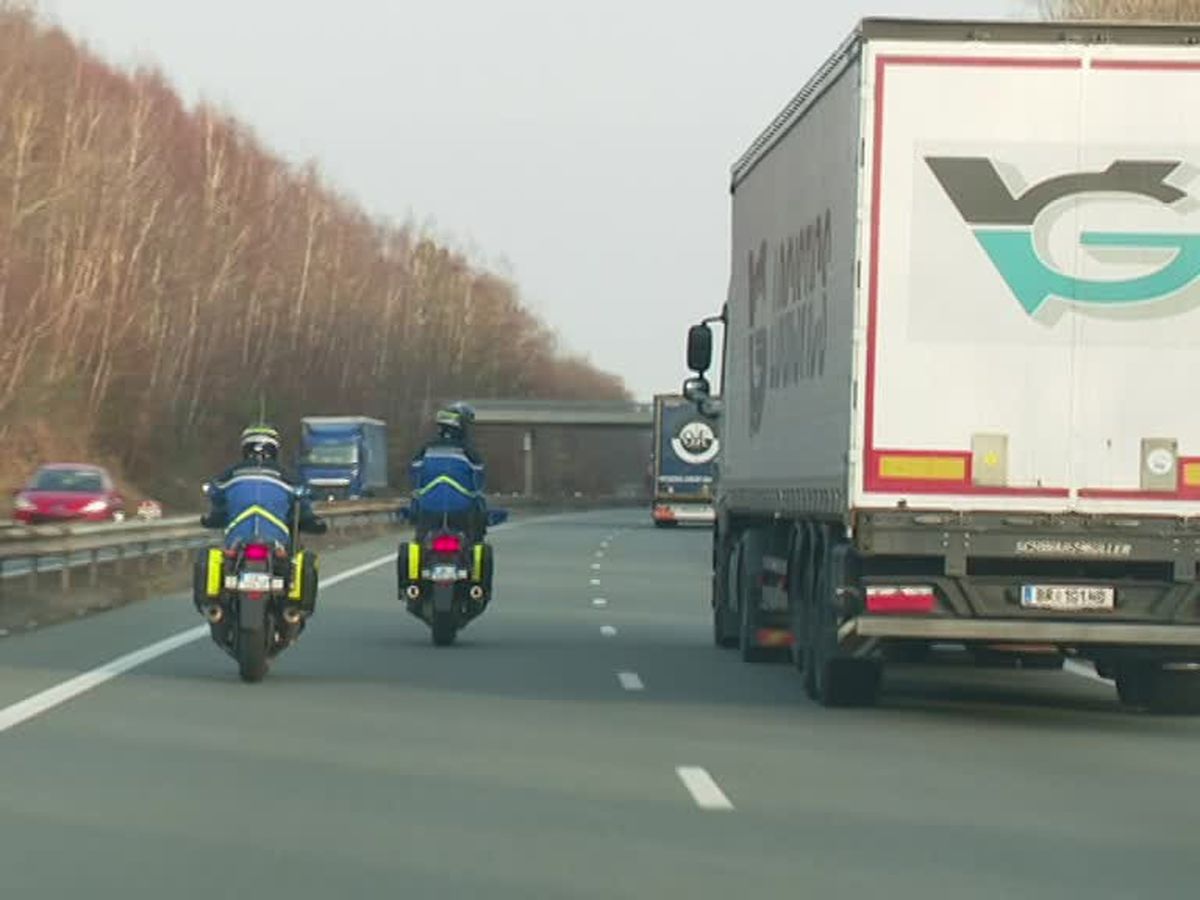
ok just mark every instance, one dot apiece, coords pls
pixel 748 583
pixel 1144 685
pixel 1133 684
pixel 829 678
pixel 725 621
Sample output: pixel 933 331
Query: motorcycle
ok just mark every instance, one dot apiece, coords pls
pixel 257 597
pixel 444 580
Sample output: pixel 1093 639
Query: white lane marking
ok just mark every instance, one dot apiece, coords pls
pixel 599 554
pixel 608 631
pixel 595 582
pixel 599 602
pixel 630 681
pixel 704 790
pixel 595 567
pixel 1084 670
pixel 43 701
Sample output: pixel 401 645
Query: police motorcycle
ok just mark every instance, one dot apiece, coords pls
pixel 444 575
pixel 258 589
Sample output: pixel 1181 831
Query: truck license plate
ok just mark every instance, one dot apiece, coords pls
pixel 1067 597
pixel 254 582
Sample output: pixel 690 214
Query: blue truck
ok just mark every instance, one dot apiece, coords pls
pixel 343 457
pixel 684 466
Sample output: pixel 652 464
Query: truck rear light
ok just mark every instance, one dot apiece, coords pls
pixel 900 600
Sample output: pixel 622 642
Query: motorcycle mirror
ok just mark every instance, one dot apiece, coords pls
pixel 497 516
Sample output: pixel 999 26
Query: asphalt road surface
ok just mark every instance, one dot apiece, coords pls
pixel 583 739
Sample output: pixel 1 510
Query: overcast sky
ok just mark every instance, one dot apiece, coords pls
pixel 583 148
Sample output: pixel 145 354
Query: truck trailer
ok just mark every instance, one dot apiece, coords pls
pixel 685 454
pixel 343 457
pixel 959 346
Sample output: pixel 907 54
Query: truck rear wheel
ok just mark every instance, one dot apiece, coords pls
pixel 725 622
pixel 748 584
pixel 830 679
pixel 1157 689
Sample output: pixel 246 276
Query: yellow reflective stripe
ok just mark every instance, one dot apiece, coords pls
pixel 297 576
pixel 447 480
pixel 216 564
pixel 257 511
pixel 414 561
pixel 478 568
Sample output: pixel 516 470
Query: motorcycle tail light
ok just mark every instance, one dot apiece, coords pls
pixel 258 551
pixel 446 543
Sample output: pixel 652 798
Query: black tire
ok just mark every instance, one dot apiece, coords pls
pixel 725 621
pixel 252 655
pixel 910 652
pixel 830 679
pixel 749 651
pixel 1045 662
pixel 745 579
pixel 444 629
pixel 1175 692
pixel 1133 684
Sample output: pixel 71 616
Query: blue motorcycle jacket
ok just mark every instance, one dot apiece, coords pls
pixel 258 503
pixel 445 480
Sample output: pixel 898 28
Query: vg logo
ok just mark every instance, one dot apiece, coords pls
pixel 1007 228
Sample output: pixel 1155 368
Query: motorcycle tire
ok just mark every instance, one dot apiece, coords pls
pixel 252 655
pixel 444 629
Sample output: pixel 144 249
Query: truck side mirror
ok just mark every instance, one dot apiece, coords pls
pixel 699 348
pixel 696 390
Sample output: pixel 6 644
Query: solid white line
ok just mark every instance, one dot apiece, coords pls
pixel 608 631
pixel 630 681
pixel 599 602
pixel 35 705
pixel 706 792
pixel 1083 670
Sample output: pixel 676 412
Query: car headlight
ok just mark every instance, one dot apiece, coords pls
pixel 96 506
pixel 23 503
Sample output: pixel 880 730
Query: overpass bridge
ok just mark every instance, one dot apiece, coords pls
pixel 531 415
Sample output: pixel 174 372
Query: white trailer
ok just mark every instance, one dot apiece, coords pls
pixel 959 348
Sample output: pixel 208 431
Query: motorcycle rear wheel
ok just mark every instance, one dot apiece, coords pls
pixel 444 629
pixel 252 655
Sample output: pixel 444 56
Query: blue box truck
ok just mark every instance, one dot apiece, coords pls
pixel 684 466
pixel 343 457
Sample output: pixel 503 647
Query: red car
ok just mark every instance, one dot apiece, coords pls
pixel 68 493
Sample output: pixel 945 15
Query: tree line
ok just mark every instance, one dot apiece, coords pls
pixel 162 273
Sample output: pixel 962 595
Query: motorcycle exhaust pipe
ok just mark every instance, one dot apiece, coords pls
pixel 214 614
pixel 293 616
pixel 413 592
pixel 476 592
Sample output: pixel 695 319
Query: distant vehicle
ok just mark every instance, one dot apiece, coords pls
pixel 149 509
pixel 343 457
pixel 684 464
pixel 65 492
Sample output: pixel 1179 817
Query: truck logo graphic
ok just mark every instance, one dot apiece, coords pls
pixel 696 443
pixel 1004 224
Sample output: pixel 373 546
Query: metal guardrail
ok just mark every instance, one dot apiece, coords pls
pixel 30 551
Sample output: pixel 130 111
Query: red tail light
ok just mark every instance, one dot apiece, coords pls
pixel 257 551
pixel 893 600
pixel 446 543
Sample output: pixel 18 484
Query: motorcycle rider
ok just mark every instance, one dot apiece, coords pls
pixel 255 498
pixel 448 478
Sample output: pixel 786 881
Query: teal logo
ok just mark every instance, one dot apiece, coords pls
pixel 1004 226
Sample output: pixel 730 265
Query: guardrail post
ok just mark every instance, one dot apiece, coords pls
pixel 65 573
pixel 33 572
pixel 144 561
pixel 94 568
pixel 119 561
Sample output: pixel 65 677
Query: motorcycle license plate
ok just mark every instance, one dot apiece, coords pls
pixel 444 573
pixel 254 582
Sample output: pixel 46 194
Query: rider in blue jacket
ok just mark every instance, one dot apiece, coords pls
pixel 255 499
pixel 448 478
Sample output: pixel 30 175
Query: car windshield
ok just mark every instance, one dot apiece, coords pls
pixel 332 455
pixel 71 481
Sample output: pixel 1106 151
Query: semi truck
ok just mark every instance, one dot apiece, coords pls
pixel 684 462
pixel 343 457
pixel 959 349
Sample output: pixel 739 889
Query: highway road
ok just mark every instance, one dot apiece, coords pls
pixel 583 740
